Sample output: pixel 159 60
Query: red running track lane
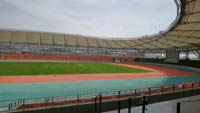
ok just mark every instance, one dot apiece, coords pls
pixel 157 71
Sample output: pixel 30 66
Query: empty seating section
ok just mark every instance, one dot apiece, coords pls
pixel 59 40
pixel 19 37
pixel 5 37
pixel 33 38
pixel 70 40
pixel 46 39
pixel 82 42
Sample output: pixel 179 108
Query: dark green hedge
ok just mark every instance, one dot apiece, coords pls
pixel 190 63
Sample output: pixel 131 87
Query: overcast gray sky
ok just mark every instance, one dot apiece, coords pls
pixel 102 18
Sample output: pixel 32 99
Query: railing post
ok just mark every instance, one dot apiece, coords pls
pixel 100 103
pixel 173 88
pixel 162 89
pixel 178 108
pixel 192 85
pixel 119 104
pixel 52 99
pixel 23 103
pixel 183 86
pixel 149 91
pixel 199 84
pixel 9 107
pixel 135 92
pixel 78 98
pixel 144 103
pixel 95 105
pixel 129 105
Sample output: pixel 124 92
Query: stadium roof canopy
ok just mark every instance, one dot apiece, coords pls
pixel 183 34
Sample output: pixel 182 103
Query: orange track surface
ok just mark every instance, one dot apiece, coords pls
pixel 157 71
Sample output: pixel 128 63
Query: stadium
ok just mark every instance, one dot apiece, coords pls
pixel 54 72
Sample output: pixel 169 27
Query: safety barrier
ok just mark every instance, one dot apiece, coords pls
pixel 86 57
pixel 12 56
pixel 34 103
pixel 62 57
pixel 28 56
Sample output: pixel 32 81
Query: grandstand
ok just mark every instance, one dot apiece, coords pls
pixel 182 35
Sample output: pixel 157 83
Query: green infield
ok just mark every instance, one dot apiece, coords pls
pixel 44 68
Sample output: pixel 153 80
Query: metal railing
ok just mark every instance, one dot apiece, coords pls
pixel 71 100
